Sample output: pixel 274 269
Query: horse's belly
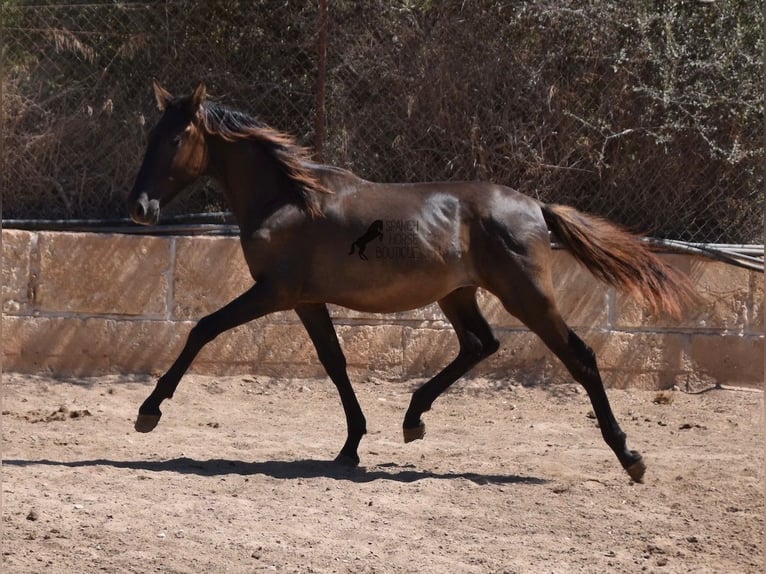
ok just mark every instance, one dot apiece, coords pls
pixel 390 300
pixel 390 288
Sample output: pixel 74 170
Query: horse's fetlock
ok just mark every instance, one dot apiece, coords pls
pixel 490 347
pixel 472 348
pixel 616 440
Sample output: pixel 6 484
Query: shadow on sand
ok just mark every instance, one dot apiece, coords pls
pixel 286 470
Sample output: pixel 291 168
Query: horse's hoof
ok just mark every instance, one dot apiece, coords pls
pixel 146 423
pixel 637 470
pixel 414 433
pixel 347 460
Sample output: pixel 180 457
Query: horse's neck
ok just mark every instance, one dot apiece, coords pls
pixel 250 179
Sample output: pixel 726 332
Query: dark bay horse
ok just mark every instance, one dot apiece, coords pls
pixel 297 220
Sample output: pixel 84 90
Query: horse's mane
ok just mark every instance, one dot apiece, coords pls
pixel 291 159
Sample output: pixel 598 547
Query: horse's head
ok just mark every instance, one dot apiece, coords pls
pixel 175 156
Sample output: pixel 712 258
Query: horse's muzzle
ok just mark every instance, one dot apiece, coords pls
pixel 145 211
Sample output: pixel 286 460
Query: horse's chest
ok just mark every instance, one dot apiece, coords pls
pixel 265 252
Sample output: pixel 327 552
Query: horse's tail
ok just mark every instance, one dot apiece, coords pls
pixel 620 259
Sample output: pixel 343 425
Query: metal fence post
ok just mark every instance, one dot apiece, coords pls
pixel 321 78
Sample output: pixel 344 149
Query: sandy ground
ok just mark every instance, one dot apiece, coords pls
pixel 509 479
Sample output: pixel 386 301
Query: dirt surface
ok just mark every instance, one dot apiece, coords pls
pixel 237 478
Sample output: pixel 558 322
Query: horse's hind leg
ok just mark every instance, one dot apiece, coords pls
pixel 316 320
pixel 537 310
pixel 476 343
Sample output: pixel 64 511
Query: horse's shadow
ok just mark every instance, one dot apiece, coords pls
pixel 283 469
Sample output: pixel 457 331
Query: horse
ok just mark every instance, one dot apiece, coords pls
pixel 297 218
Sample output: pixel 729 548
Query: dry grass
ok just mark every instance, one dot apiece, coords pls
pixel 649 116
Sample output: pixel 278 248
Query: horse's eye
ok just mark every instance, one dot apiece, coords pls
pixel 177 140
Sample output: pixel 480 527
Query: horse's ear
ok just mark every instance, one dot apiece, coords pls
pixel 198 97
pixel 162 96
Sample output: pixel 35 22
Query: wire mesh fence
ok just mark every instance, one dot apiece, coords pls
pixel 649 113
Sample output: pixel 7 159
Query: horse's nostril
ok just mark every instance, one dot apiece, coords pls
pixel 139 209
pixel 145 211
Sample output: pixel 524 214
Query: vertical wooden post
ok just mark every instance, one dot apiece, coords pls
pixel 319 103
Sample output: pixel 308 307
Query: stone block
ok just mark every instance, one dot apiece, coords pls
pixel 96 274
pixel 726 295
pixel 621 379
pixel 15 331
pixel 85 304
pixel 287 351
pixel 209 272
pixel 145 346
pixel 57 346
pixel 377 348
pixel 16 271
pixel 426 351
pixel 240 346
pixel 729 360
pixel 285 344
pixel 152 346
pixel 755 318
pixel 522 356
pixel 724 298
pixel 641 351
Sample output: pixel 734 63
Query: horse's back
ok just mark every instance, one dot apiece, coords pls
pixel 428 239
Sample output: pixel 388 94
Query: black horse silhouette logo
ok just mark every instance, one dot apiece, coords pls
pixel 375 230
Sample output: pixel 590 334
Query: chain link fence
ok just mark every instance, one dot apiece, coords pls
pixel 649 113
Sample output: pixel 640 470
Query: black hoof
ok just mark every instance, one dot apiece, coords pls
pixel 349 461
pixel 637 468
pixel 414 433
pixel 146 423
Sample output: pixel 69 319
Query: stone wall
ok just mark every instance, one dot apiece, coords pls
pixel 91 304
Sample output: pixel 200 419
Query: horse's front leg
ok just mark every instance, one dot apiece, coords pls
pixel 316 320
pixel 259 300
